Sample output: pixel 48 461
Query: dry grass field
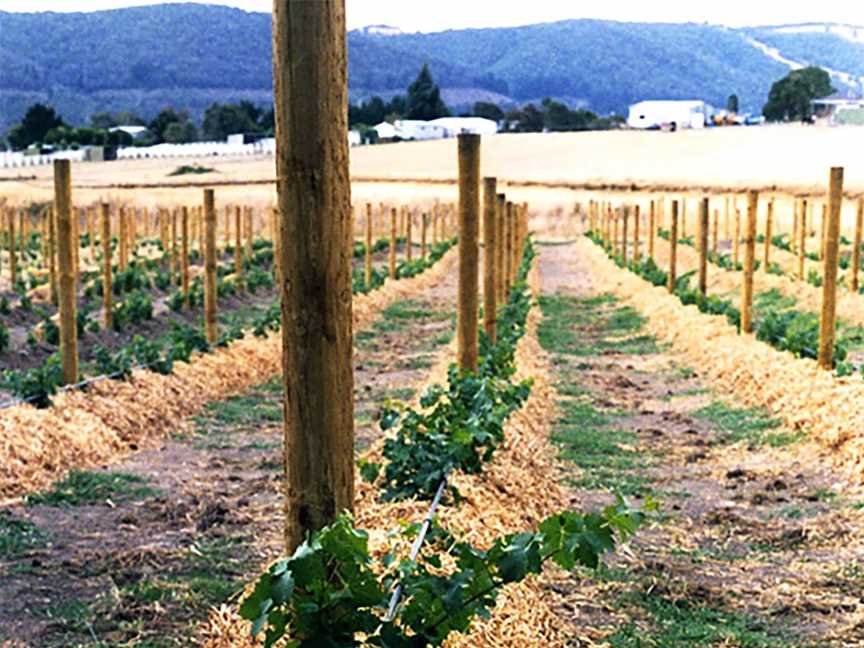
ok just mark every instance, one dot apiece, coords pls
pixel 789 158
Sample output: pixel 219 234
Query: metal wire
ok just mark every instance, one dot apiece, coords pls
pixel 415 549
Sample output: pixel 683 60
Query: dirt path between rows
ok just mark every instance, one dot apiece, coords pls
pixel 756 543
pixel 137 555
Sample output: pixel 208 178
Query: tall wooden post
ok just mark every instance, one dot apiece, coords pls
pixel 107 298
pixel 749 263
pixel 123 240
pixel 238 245
pixel 490 245
pixel 673 247
pixel 409 233
pixel 508 248
pixel 424 223
pixel 703 247
pixel 796 208
pixel 311 107
pixel 625 217
pixel 802 239
pixel 249 232
pixel 184 260
pixel 52 252
pixel 652 228
pixel 469 231
pixel 211 329
pixel 66 263
pixel 714 228
pixel 173 258
pixel 769 218
pixel 367 276
pixel 636 218
pixel 823 222
pixel 391 256
pixel 828 320
pixel 683 217
pixel 856 245
pixel 501 247
pixel 726 217
pixel 91 232
pixel 736 244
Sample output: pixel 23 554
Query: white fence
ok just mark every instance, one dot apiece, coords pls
pixel 9 159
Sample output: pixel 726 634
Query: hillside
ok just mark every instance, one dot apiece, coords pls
pixel 189 55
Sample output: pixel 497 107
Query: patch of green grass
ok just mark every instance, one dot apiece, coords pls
pixel 409 309
pixel 188 169
pixel 366 340
pixel 412 363
pixel 592 326
pixel 247 410
pixel 606 456
pixel 18 536
pixel 400 393
pixel 692 391
pixel 683 623
pixel 89 487
pixel 751 425
pixel 822 495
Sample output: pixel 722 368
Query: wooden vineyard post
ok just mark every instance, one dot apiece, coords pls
pixel 616 220
pixel 802 239
pixel 749 262
pixel 210 326
pixel 736 244
pixel 769 217
pixel 508 248
pixel 184 251
pixel 250 243
pixel 469 253
pixel 13 262
pixel 625 217
pixel 636 233
pixel 726 217
pixel 409 242
pixel 75 215
pixel 673 247
pixel 238 246
pixel 683 217
pixel 66 264
pixel 856 249
pixel 277 245
pixel 368 252
pixel 823 231
pixel 424 223
pixel 714 228
pixel 311 95
pixel 91 232
pixel 500 235
pixel 796 208
pixel 123 240
pixel 391 251
pixel 703 247
pixel 52 252
pixel 828 319
pixel 106 266
pixel 490 246
pixel 173 258
pixel 652 228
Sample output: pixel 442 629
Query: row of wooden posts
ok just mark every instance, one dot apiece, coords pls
pixel 803 223
pixel 613 225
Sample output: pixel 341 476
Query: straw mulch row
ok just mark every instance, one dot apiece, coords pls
pixel 521 486
pixel 830 409
pixel 111 419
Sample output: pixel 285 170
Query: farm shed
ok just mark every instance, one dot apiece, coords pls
pixel 477 125
pixel 135 132
pixel 655 114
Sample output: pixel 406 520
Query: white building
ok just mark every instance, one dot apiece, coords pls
pixel 673 114
pixel 409 129
pixel 477 125
pixel 135 132
pixel 354 138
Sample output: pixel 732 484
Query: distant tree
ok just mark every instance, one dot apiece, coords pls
pixel 110 120
pixel 790 97
pixel 398 106
pixel 488 110
pixel 424 98
pixel 222 120
pixel 164 119
pixel 370 112
pixel 38 120
pixel 732 103
pixel 180 132
pixel 267 121
pixel 558 117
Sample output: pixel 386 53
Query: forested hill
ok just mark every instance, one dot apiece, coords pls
pixel 189 55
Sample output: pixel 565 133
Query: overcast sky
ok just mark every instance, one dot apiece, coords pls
pixel 411 15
